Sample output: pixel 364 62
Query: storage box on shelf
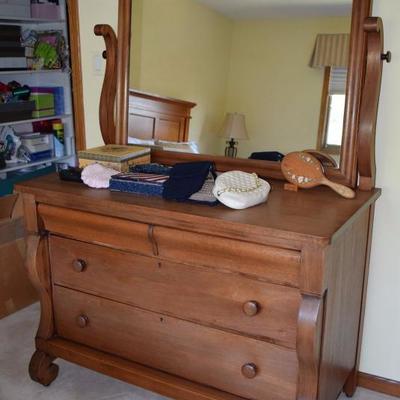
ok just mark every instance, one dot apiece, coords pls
pixel 15 8
pixel 45 9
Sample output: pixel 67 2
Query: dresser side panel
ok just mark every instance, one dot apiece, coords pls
pixel 345 268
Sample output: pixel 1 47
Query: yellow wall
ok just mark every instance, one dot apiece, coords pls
pixel 92 12
pixel 271 83
pixel 184 50
pixel 181 49
pixel 381 344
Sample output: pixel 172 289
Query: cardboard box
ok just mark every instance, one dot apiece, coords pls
pixel 16 291
pixel 15 8
pixel 45 11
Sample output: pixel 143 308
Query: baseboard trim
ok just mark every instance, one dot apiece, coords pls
pixel 377 384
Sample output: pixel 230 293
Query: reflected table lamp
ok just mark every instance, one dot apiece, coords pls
pixel 234 128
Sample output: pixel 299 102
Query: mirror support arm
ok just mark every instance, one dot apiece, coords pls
pixel 109 90
pixel 373 28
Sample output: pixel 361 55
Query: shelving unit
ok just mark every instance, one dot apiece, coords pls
pixel 44 78
pixel 34 71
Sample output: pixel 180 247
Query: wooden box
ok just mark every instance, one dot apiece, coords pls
pixel 16 291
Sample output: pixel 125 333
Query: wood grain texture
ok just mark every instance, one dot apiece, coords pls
pixel 378 384
pixel 30 213
pixel 275 265
pixel 131 372
pixel 37 265
pixel 109 89
pixel 309 337
pixel 287 220
pixel 345 264
pixel 42 369
pixel 369 104
pixel 76 67
pixel 122 70
pixel 348 173
pixel 323 114
pixel 204 292
pixel 350 386
pixel 188 292
pixel 159 118
pixel 97 229
pixel 188 350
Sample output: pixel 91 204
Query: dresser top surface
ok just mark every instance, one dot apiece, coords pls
pixel 307 215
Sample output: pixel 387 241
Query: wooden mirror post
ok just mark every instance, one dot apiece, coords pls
pixel 114 95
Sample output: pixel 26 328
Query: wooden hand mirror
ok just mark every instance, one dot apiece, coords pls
pixel 305 171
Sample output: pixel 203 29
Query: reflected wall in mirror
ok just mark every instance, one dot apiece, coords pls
pixel 281 66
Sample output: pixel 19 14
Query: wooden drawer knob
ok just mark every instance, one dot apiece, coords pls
pixel 79 265
pixel 251 308
pixel 249 370
pixel 82 321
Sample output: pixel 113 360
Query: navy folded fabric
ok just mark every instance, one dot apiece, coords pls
pixel 267 156
pixel 186 179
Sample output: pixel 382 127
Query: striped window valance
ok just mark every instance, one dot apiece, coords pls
pixel 331 50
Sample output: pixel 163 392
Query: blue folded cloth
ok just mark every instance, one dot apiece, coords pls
pixel 186 179
pixel 267 156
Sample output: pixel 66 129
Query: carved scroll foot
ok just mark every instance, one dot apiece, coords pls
pixel 350 386
pixel 42 369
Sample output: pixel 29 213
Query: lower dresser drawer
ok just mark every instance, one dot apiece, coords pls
pixel 243 366
pixel 199 294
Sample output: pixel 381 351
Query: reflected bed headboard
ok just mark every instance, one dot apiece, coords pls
pixel 159 118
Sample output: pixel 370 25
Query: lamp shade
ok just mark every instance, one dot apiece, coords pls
pixel 234 127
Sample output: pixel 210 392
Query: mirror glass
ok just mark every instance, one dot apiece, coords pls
pixel 238 77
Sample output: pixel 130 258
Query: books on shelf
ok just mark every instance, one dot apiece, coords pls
pixel 12 54
pixel 10 33
pixel 12 51
pixel 117 157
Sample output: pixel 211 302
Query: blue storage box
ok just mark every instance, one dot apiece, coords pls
pixel 140 183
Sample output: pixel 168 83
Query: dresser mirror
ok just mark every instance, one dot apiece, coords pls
pixel 269 77
pixel 266 76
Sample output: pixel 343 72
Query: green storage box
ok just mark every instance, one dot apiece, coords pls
pixel 43 101
pixel 43 113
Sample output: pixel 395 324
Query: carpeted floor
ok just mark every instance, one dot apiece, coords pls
pixel 73 382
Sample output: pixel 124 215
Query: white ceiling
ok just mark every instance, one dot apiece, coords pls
pixel 249 9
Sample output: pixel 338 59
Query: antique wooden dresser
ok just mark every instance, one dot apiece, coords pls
pixel 197 302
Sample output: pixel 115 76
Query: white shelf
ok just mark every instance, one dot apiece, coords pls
pixel 33 71
pixel 27 121
pixel 17 167
pixel 19 20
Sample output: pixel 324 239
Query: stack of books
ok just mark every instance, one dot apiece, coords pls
pixel 115 156
pixel 12 53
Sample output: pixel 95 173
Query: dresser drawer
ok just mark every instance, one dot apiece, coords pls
pixel 276 265
pixel 95 228
pixel 199 294
pixel 236 364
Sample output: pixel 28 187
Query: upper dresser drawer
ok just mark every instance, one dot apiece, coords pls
pixel 273 264
pixel 276 265
pixel 198 294
pixel 109 231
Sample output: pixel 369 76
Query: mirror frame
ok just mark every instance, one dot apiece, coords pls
pixel 347 173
